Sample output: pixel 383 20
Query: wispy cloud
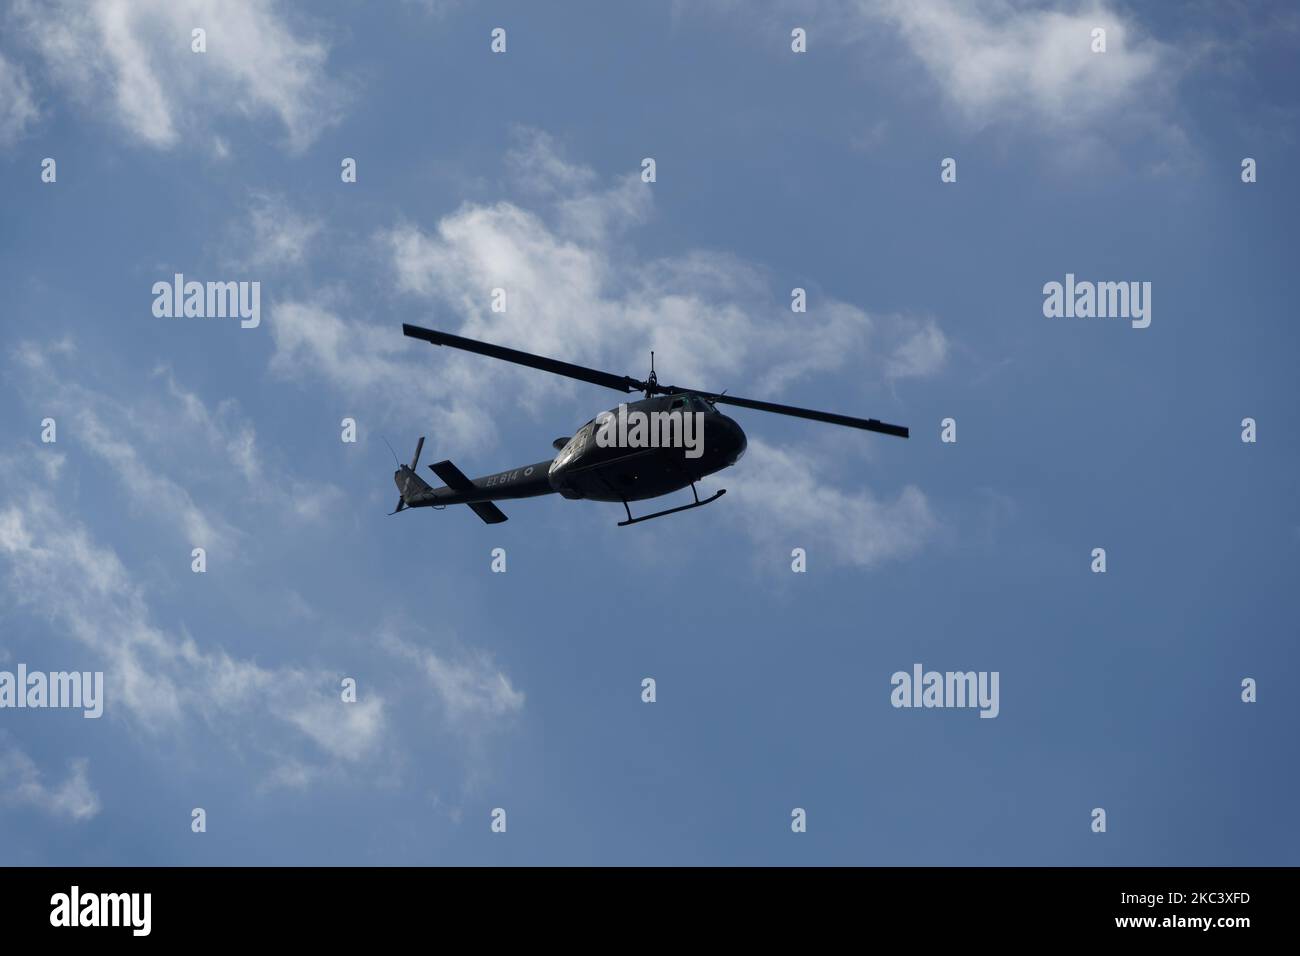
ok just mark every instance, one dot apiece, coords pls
pixel 373 364
pixel 273 236
pixel 783 499
pixel 22 784
pixel 994 60
pixel 287 718
pixel 133 62
pixel 470 687
pixel 137 437
pixel 575 288
pixel 160 679
pixel 919 351
pixel 1009 64
pixel 18 110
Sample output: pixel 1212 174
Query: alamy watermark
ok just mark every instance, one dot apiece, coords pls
pixel 77 690
pixel 1098 300
pixel 76 908
pixel 923 688
pixel 638 429
pixel 208 300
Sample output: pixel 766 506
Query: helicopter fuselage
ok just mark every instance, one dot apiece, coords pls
pixel 636 470
pixel 605 463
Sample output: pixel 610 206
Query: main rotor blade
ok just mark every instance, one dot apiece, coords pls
pixel 620 383
pixel 868 424
pixel 625 383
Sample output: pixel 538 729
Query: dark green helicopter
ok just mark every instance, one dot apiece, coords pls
pixel 605 460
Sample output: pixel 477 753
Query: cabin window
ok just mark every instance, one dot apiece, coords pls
pixel 678 403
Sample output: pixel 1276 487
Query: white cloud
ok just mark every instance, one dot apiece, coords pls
pixel 574 292
pixel 18 109
pixel 535 163
pixel 275 236
pixel 921 351
pixel 471 688
pixel 435 8
pixel 995 59
pixel 132 60
pixel 782 500
pixel 23 784
pixel 151 489
pixel 160 680
pixel 347 731
pixel 166 683
pixel 376 362
pixel 137 438
pixel 998 62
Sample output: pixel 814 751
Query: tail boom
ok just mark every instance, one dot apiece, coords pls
pixel 477 493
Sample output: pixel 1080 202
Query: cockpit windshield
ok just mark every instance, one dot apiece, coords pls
pixel 689 403
pixel 580 440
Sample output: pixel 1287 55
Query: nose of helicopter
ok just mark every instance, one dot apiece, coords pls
pixel 730 441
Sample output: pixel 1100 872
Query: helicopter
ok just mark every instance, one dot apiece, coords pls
pixel 605 460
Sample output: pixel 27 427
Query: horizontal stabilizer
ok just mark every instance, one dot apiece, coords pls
pixel 489 512
pixel 452 477
pixel 457 480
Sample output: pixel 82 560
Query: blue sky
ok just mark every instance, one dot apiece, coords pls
pixel 522 690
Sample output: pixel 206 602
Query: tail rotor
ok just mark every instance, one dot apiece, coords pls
pixel 403 472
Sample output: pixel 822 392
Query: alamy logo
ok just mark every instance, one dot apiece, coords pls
pixel 210 300
pixel 1100 300
pixel 638 429
pixel 72 689
pixel 948 689
pixel 103 909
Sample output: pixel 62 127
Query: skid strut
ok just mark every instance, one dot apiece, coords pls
pixel 671 511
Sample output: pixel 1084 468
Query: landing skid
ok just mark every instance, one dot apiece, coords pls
pixel 671 511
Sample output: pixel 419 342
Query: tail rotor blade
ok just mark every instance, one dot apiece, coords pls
pixel 402 476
